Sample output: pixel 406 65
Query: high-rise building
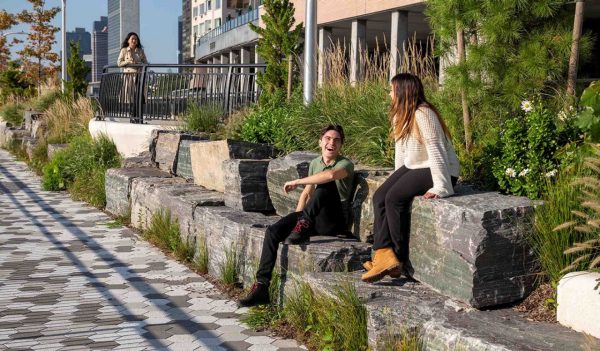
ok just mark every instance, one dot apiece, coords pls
pixel 187 48
pixel 179 39
pixel 99 47
pixel 83 37
pixel 123 17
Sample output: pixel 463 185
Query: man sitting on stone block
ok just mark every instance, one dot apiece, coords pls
pixel 323 208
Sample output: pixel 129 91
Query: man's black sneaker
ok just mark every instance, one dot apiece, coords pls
pixel 300 234
pixel 258 295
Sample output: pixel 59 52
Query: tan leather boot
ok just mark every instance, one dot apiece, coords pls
pixel 384 263
pixel 368 265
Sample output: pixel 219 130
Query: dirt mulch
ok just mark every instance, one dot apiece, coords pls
pixel 537 306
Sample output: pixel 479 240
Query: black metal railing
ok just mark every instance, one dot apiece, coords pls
pixel 248 17
pixel 147 94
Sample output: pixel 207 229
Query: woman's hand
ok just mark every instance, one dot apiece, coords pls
pixel 429 195
pixel 289 186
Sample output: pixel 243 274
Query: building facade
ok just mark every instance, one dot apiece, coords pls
pixel 123 17
pixel 83 37
pixel 99 47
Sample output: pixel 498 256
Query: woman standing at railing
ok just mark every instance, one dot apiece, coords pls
pixel 132 53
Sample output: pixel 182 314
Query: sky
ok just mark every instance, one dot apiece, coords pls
pixel 158 23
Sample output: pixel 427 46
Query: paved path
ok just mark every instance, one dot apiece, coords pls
pixel 69 282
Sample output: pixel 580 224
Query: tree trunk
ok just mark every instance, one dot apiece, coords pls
pixel 574 59
pixel 460 48
pixel 290 77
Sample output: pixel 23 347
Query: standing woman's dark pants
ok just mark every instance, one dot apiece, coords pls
pixel 391 207
pixel 323 210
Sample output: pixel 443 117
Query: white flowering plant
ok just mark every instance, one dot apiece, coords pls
pixel 528 156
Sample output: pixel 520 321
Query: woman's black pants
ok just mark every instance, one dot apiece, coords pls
pixel 391 208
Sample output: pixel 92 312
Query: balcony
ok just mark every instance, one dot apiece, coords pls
pixel 232 33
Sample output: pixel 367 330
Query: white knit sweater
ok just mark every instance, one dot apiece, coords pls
pixel 435 152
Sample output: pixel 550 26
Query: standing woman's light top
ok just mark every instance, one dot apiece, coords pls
pixel 129 56
pixel 430 148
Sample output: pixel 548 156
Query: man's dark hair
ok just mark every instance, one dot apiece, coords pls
pixel 338 128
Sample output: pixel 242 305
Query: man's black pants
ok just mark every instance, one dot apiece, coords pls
pixel 391 208
pixel 323 211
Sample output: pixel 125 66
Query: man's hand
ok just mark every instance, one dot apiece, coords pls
pixel 429 195
pixel 289 186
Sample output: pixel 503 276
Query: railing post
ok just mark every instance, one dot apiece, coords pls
pixel 140 96
pixel 227 90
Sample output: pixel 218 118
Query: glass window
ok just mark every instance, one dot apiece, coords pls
pixel 218 4
pixel 201 29
pixel 208 27
pixel 195 11
pixel 217 22
pixel 201 9
pixel 208 5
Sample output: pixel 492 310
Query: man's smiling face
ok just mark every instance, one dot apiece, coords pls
pixel 330 143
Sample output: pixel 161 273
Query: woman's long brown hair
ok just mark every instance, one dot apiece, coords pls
pixel 409 95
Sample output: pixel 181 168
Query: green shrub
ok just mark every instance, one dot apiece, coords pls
pixel 39 157
pixel 82 164
pixel 163 230
pixel 12 113
pixel 229 267
pixel 42 102
pixel 202 118
pixel 201 259
pixel 589 117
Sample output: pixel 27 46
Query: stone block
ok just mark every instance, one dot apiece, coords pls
pixel 578 300
pixel 473 247
pixel 53 148
pixel 12 135
pixel 395 306
pixel 283 169
pixel 167 149
pixel 29 117
pixel 4 127
pixel 143 160
pixel 38 128
pixel 207 159
pixel 366 182
pixel 150 195
pixel 246 185
pixel 29 143
pixel 228 230
pixel 117 186
pixel 184 158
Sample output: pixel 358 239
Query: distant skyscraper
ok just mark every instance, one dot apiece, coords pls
pixel 99 47
pixel 123 17
pixel 186 32
pixel 83 37
pixel 179 39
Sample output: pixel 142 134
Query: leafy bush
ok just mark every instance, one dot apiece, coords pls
pixel 44 101
pixel 13 113
pixel 83 164
pixel 202 118
pixel 589 117
pixel 528 150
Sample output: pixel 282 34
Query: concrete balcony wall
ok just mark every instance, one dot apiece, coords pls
pixel 236 37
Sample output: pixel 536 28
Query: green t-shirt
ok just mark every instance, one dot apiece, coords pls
pixel 344 185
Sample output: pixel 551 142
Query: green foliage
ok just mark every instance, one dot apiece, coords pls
pixel 278 40
pixel 514 48
pixel 44 101
pixel 77 71
pixel 12 113
pixel 361 110
pixel 405 339
pixel 14 82
pixel 202 118
pixel 39 157
pixel 528 151
pixel 559 200
pixel 267 315
pixel 201 259
pixel 229 267
pixel 163 230
pixel 589 117
pixel 81 167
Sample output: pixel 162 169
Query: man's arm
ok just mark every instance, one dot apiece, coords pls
pixel 315 179
pixel 304 197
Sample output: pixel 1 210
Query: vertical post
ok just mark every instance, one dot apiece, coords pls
pixel 310 39
pixel 226 104
pixel 324 48
pixel 140 95
pixel 398 38
pixel 257 60
pixel 244 71
pixel 574 58
pixel 290 76
pixel 357 44
pixel 63 75
pixel 224 61
pixel 460 49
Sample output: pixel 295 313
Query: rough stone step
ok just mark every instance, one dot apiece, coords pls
pixel 166 150
pixel 151 195
pixel 117 186
pixel 394 306
pixel 246 185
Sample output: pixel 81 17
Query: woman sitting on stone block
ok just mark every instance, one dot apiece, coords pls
pixel 425 164
pixel 320 209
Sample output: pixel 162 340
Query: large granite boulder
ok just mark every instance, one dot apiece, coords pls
pixel 142 160
pixel 246 185
pixel 207 159
pixel 29 117
pixel 166 149
pixel 226 230
pixel 283 169
pixel 397 306
pixel 117 185
pixel 473 247
pixel 151 195
pixel 12 135
pixel 184 157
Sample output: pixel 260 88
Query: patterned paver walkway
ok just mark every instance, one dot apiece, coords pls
pixel 69 282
